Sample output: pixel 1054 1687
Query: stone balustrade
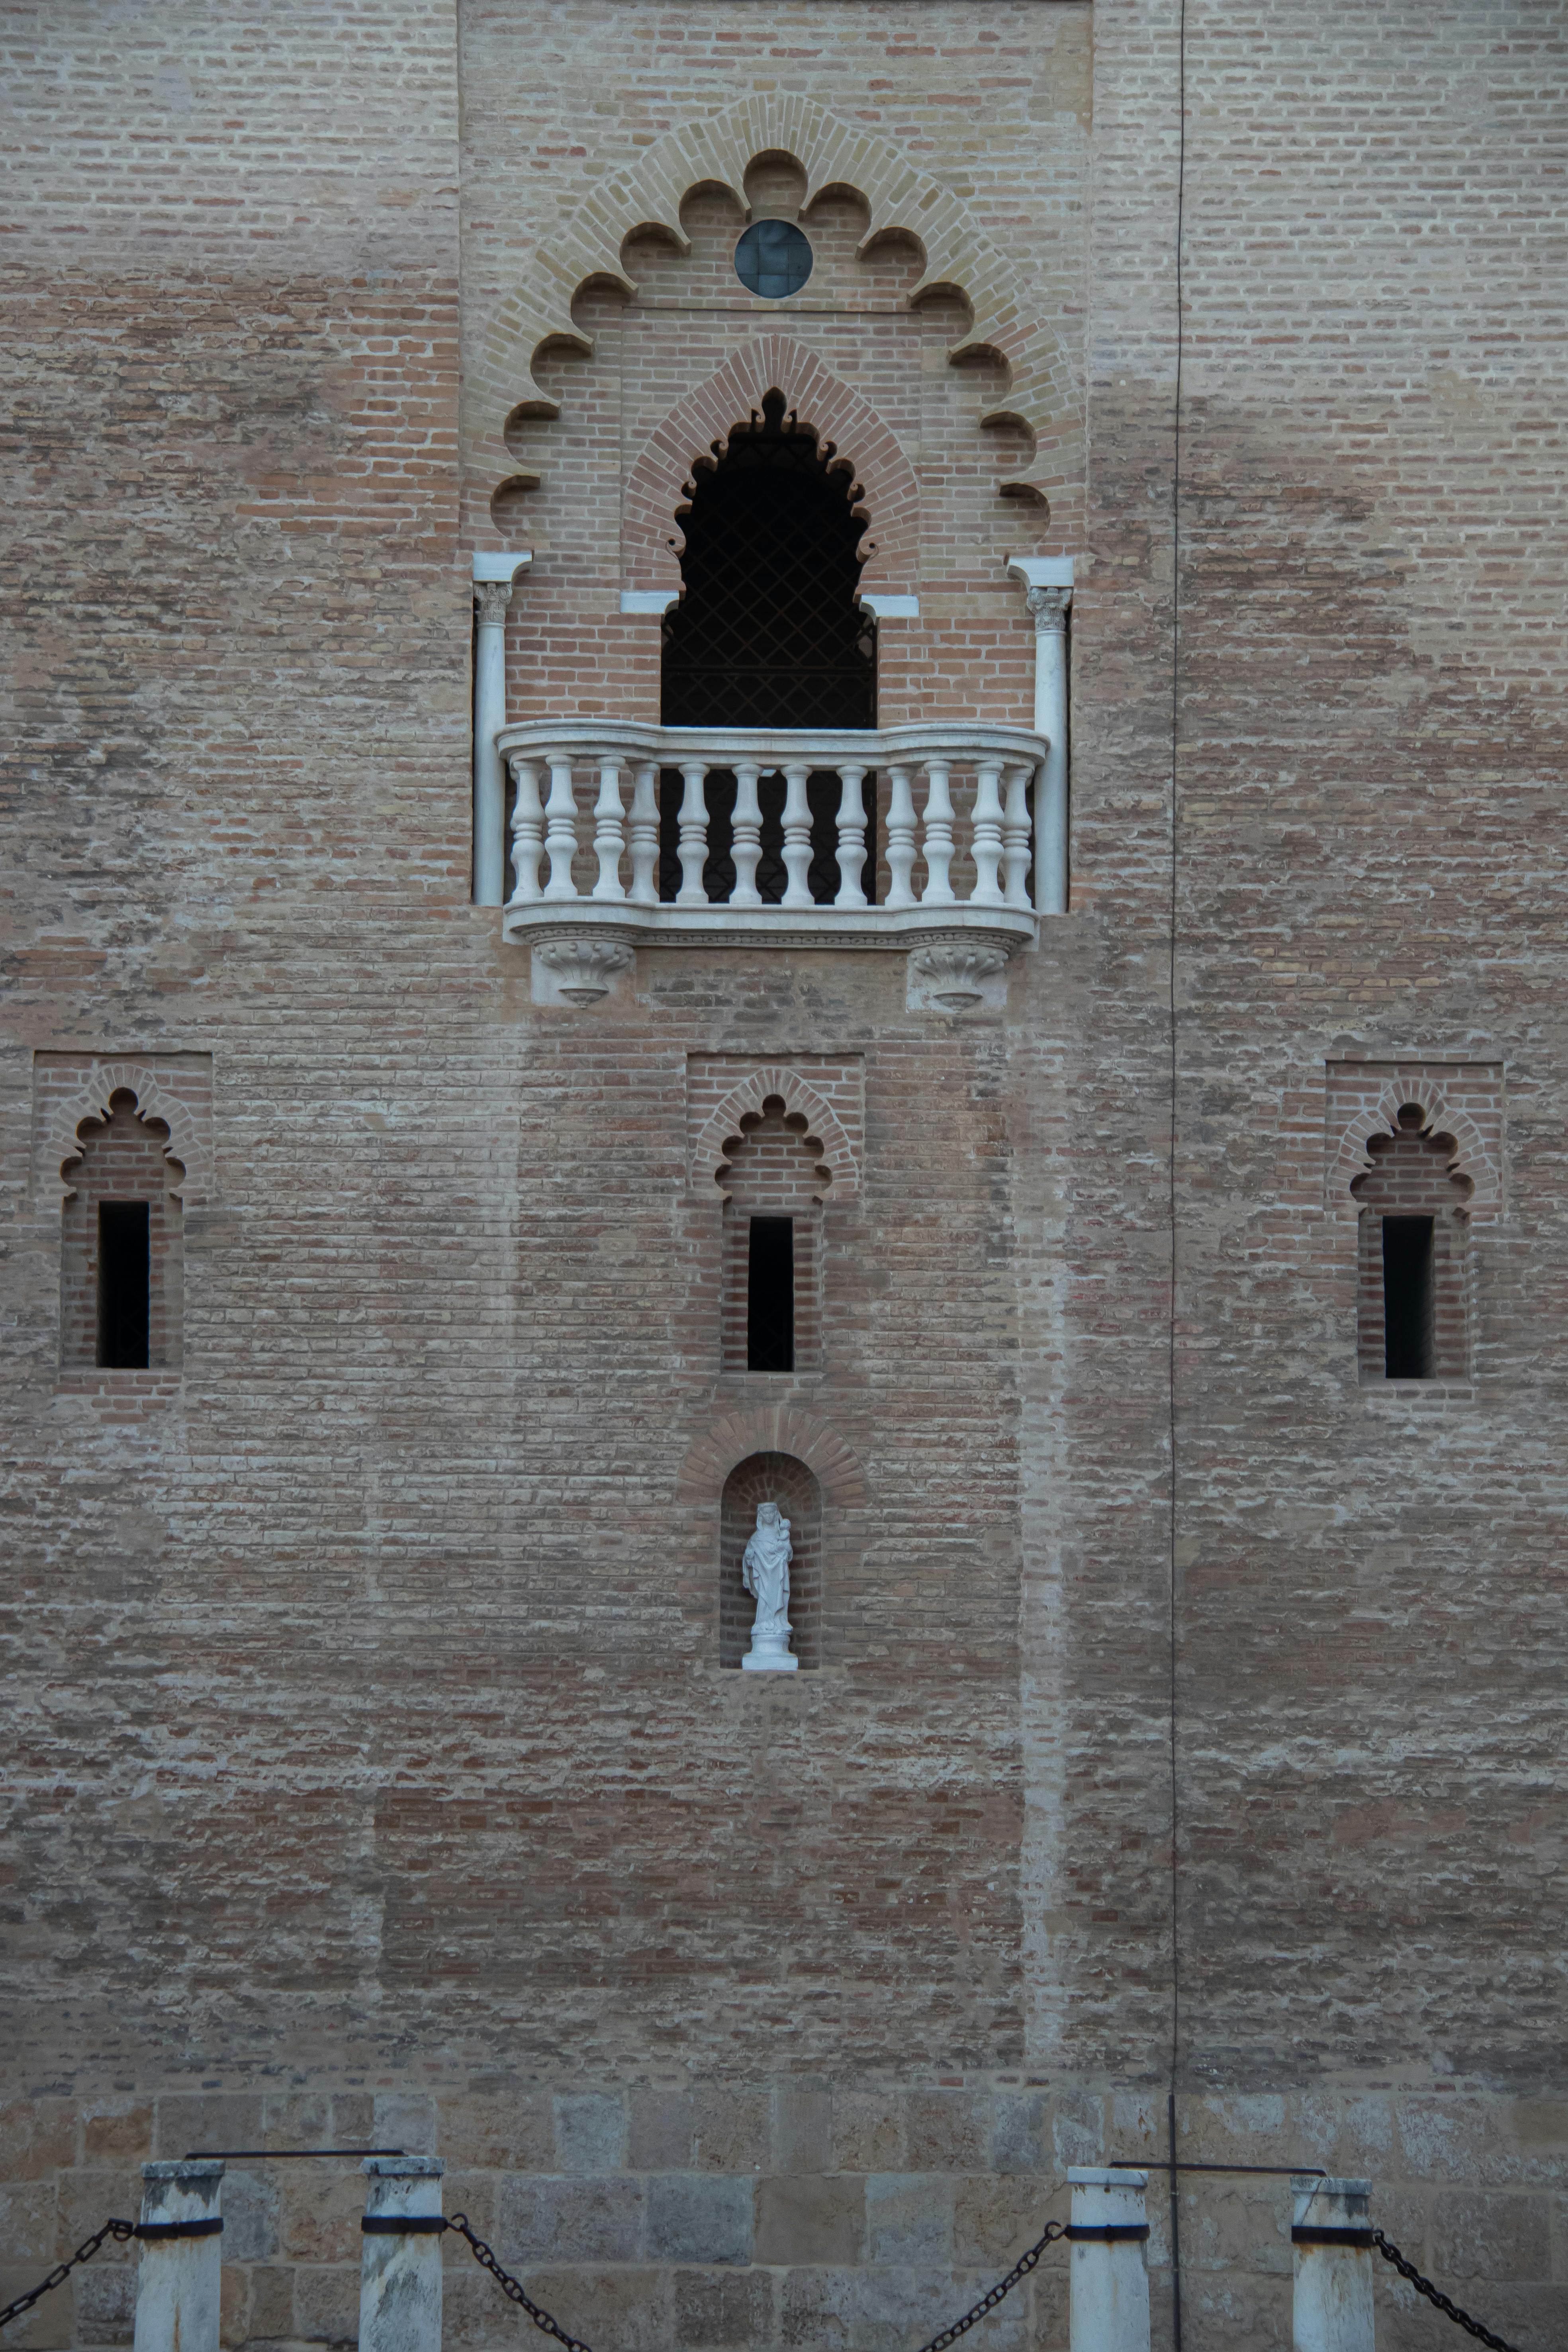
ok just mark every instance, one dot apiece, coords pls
pixel 957 846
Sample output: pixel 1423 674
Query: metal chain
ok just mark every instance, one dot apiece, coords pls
pixel 511 2286
pixel 1434 2295
pixel 1021 2269
pixel 119 2231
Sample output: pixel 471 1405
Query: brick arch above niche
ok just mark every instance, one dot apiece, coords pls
pixel 731 1438
pixel 709 413
pixel 1043 394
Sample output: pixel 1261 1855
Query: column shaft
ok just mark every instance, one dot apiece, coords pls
pixel 179 2280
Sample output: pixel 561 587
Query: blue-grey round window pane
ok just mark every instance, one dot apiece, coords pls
pixel 774 258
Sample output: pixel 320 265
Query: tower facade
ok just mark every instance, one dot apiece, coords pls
pixel 790 759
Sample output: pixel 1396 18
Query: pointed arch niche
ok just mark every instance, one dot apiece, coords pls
pixel 697 432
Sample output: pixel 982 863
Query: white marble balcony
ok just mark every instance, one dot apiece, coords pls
pixel 958 851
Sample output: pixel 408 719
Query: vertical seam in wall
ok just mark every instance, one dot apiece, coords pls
pixel 1171 1364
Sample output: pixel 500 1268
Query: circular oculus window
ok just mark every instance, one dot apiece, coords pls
pixel 774 258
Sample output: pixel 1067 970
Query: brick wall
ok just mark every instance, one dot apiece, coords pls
pixel 375 1769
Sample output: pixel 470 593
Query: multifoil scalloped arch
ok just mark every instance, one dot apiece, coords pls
pixel 707 414
pixel 833 154
pixel 1470 1157
pixel 745 1099
pixel 186 1147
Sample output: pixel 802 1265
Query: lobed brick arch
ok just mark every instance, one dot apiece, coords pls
pixel 1042 393
pixel 710 1159
pixel 1472 1157
pixel 709 413
pixel 734 1437
pixel 185 1146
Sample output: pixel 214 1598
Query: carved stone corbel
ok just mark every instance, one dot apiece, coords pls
pixel 581 965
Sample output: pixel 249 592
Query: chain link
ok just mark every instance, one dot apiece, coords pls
pixel 511 2286
pixel 542 2319
pixel 1021 2269
pixel 119 2231
pixel 1434 2295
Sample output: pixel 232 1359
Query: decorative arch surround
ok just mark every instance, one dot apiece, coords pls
pixel 1472 1159
pixel 711 1155
pixel 157 1100
pixel 1041 393
pixel 709 413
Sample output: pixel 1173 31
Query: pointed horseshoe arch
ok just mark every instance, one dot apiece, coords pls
pixel 709 413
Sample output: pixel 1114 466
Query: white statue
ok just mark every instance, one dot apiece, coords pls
pixel 765 1573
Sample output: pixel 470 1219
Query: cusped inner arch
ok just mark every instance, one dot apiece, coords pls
pixel 831 152
pixel 701 424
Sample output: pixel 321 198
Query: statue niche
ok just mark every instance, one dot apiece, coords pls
pixel 770 1567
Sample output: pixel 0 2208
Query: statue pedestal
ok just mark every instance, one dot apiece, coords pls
pixel 769 1662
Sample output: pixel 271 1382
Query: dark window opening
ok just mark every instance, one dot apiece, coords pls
pixel 774 258
pixel 770 1295
pixel 768 632
pixel 124 1284
pixel 1408 1299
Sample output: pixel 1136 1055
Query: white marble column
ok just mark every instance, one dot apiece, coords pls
pixel 179 2275
pixel 493 579
pixel 400 2268
pixel 1109 2272
pixel 1330 2259
pixel 1048 583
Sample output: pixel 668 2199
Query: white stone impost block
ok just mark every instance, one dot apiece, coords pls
pixel 400 2269
pixel 1330 2260
pixel 1110 2265
pixel 179 2276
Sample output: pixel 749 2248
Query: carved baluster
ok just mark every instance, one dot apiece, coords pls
pixel 987 846
pixel 797 836
pixel 747 835
pixel 693 835
pixel 938 844
pixel 527 833
pixel 1015 838
pixel 901 839
pixel 643 834
pixel 609 839
pixel 560 827
pixel 851 838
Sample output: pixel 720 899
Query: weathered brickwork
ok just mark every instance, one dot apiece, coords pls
pixel 380 1768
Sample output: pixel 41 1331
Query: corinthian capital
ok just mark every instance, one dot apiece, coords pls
pixel 494 575
pixel 492 598
pixel 1048 608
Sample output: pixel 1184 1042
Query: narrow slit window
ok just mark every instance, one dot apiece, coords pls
pixel 770 1295
pixel 124 1284
pixel 1407 1300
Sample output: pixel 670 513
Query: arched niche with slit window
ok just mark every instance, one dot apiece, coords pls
pixel 769 632
pixel 774 1179
pixel 780 1478
pixel 1413 1289
pixel 122 1243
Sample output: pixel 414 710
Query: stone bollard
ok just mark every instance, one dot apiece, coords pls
pixel 1109 2264
pixel 1331 2257
pixel 179 2276
pixel 400 2268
